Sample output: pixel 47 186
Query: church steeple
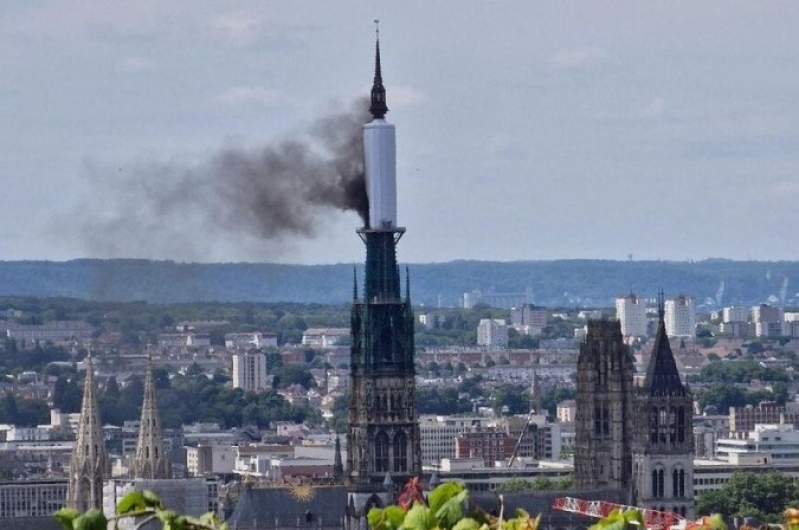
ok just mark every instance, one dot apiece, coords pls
pixel 378 107
pixel 89 460
pixel 662 376
pixel 151 461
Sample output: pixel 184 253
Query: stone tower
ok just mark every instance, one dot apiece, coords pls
pixel 150 461
pixel 89 461
pixel 663 443
pixel 604 416
pixel 383 438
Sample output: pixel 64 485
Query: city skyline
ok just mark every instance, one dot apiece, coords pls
pixel 529 131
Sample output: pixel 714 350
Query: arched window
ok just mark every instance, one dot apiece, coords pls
pixel 672 425
pixel 657 484
pixel 146 451
pixel 663 423
pixel 400 452
pixel 681 424
pixel 674 489
pixel 653 425
pixel 381 452
pixel 681 483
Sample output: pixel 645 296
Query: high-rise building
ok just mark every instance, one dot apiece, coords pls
pixel 89 464
pixel 734 314
pixel 768 321
pixel 383 449
pixel 663 442
pixel 492 333
pixel 151 461
pixel 249 372
pixel 631 312
pixel 528 319
pixel 680 317
pixel 604 415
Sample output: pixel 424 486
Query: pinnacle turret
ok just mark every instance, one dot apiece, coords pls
pixel 151 461
pixel 378 107
pixel 89 460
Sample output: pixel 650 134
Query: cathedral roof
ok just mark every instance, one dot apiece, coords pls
pixel 284 506
pixel 662 376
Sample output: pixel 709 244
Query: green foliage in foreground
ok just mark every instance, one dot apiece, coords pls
pixel 443 510
pixel 143 507
pixel 763 496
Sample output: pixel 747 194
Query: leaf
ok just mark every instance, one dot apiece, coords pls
pixel 152 500
pixel 65 516
pixel 466 524
pixel 419 517
pixel 375 518
pixel 394 517
pixel 451 511
pixel 442 494
pixel 91 520
pixel 130 502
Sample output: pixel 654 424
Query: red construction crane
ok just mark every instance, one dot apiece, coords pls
pixel 653 519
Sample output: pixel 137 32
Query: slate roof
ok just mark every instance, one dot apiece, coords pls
pixel 662 376
pixel 285 507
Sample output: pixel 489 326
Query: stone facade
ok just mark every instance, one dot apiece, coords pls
pixel 604 415
pixel 648 456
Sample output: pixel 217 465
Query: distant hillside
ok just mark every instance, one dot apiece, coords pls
pixel 554 283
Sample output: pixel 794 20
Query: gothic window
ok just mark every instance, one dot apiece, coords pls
pixel 597 421
pixel 381 452
pixel 683 511
pixel 147 451
pixel 657 484
pixel 681 424
pixel 605 420
pixel 672 425
pixel 653 426
pixel 681 483
pixel 663 422
pixel 674 489
pixel 400 452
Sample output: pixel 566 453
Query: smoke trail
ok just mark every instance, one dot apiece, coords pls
pixel 270 194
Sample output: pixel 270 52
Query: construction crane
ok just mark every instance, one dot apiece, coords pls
pixel 653 519
pixel 521 437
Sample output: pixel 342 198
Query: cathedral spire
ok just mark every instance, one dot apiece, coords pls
pixel 89 461
pixel 151 461
pixel 378 107
pixel 662 376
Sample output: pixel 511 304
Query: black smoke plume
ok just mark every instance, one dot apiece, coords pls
pixel 270 194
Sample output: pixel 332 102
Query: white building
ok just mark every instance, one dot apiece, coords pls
pixel 492 333
pixel 631 312
pixel 438 434
pixel 250 340
pixel 680 317
pixel 566 411
pixel 249 372
pixel 214 458
pixel 772 443
pixel 324 337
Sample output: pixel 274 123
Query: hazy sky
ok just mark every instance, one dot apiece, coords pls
pixel 525 130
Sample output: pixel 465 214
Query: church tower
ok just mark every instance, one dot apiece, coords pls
pixel 150 461
pixel 663 449
pixel 89 460
pixel 604 416
pixel 383 448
